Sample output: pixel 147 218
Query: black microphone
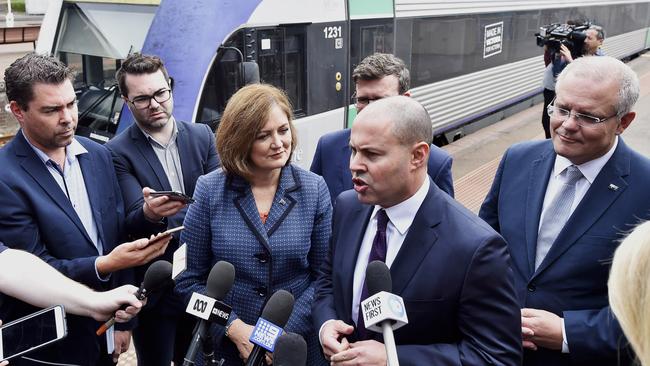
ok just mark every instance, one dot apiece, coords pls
pixel 383 311
pixel 269 326
pixel 157 276
pixel 290 350
pixel 219 283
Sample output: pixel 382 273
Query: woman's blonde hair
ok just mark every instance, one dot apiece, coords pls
pixel 629 289
pixel 245 115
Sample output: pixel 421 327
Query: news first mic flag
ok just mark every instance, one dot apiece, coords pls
pixel 383 306
pixel 209 309
pixel 265 334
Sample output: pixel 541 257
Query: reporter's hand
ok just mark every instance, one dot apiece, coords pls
pixel 239 333
pixel 155 208
pixel 103 305
pixel 331 333
pixel 122 341
pixel 566 53
pixel 131 254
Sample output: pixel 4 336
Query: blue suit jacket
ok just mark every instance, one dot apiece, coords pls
pixel 284 253
pixel 137 166
pixel 36 216
pixel 572 279
pixel 332 162
pixel 452 272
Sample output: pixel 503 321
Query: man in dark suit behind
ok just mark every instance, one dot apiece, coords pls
pixel 158 153
pixel 377 76
pixel 451 269
pixel 562 205
pixel 60 200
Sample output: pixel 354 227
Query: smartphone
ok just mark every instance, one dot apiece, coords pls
pixel 174 196
pixel 165 234
pixel 32 331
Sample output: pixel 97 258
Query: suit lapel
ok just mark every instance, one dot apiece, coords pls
pixel 188 162
pixel 283 202
pixel 90 174
pixel 350 243
pixel 33 165
pixel 144 147
pixel 594 204
pixel 419 240
pixel 539 176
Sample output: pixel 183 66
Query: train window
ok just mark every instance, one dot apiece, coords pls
pixel 281 61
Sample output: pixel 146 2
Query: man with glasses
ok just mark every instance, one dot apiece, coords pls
pixel 377 76
pixel 158 153
pixel 60 200
pixel 563 205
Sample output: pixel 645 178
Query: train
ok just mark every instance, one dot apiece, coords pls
pixel 468 59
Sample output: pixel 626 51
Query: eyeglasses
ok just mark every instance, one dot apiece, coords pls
pixel 583 120
pixel 362 100
pixel 144 101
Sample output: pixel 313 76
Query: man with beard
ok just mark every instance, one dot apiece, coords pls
pixel 60 200
pixel 158 153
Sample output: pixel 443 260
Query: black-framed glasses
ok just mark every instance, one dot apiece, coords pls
pixel 144 101
pixel 362 100
pixel 583 120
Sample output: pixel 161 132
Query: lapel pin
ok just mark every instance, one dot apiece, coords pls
pixel 613 187
pixel 282 200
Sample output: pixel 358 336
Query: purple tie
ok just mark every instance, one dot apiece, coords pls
pixel 377 253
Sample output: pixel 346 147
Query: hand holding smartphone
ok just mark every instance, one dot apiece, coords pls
pixel 165 234
pixel 174 196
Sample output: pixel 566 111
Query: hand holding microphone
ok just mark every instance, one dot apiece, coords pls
pixel 158 275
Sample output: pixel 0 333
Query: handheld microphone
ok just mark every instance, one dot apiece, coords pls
pixel 290 350
pixel 382 311
pixel 219 283
pixel 157 276
pixel 269 326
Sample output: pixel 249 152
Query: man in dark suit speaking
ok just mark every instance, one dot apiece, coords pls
pixel 451 269
pixel 562 205
pixel 377 76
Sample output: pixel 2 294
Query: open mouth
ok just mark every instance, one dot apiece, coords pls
pixel 359 185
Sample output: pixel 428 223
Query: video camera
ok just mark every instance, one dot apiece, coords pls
pixel 572 36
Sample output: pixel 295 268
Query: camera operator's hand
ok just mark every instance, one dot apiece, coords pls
pixel 566 53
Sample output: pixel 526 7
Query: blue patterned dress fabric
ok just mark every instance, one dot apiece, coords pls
pixel 283 253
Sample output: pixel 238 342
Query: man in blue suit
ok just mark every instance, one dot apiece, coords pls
pixel 162 154
pixel 60 200
pixel 451 269
pixel 562 205
pixel 377 76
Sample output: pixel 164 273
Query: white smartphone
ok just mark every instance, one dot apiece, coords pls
pixel 32 331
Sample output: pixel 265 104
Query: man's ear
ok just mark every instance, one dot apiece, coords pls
pixel 626 120
pixel 171 83
pixel 407 93
pixel 17 111
pixel 420 154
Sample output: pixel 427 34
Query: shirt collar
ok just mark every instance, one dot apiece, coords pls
pixel 71 151
pixel 589 169
pixel 402 214
pixel 171 140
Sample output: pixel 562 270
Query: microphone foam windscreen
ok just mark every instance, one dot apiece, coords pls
pixel 279 307
pixel 378 278
pixel 290 350
pixel 220 280
pixel 158 274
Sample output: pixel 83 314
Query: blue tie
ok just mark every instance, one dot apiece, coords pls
pixel 557 213
pixel 377 253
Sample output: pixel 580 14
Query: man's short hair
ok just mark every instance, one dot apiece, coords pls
pixel 138 64
pixel 411 123
pixel 379 65
pixel 602 70
pixel 245 115
pixel 31 69
pixel 600 32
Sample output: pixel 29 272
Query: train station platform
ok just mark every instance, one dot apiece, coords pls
pixel 477 156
